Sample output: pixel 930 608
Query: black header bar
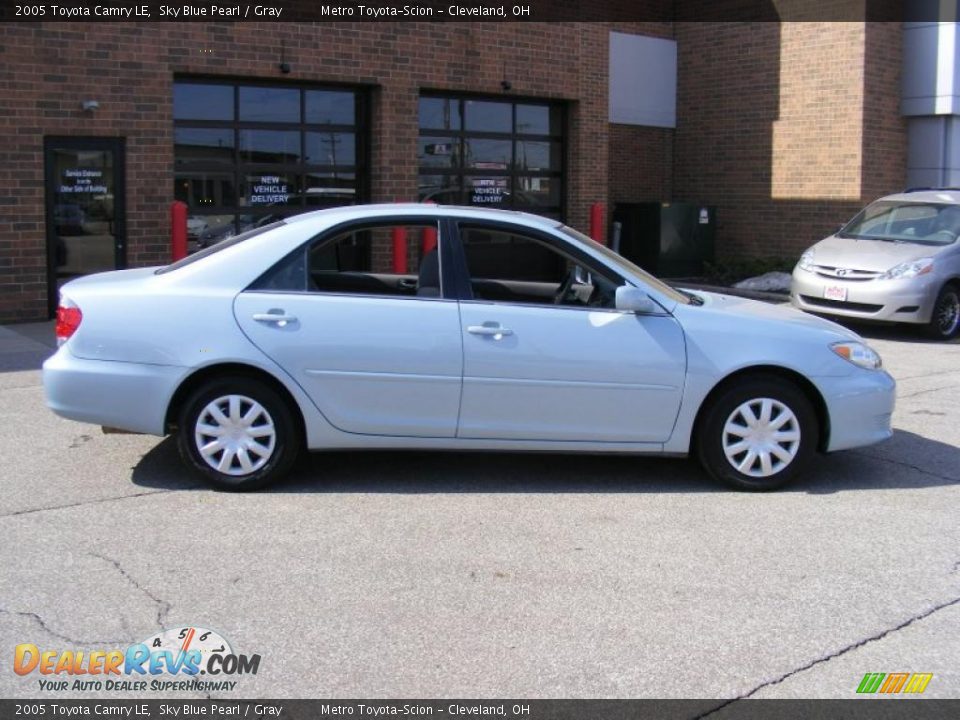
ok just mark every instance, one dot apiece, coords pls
pixel 478 10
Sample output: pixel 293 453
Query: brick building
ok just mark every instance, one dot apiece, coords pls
pixel 786 128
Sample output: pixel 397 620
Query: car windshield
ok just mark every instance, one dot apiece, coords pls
pixel 924 223
pixel 626 267
pixel 217 247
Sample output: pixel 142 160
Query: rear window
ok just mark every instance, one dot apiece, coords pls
pixel 222 245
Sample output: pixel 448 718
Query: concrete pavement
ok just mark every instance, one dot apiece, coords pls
pixel 494 575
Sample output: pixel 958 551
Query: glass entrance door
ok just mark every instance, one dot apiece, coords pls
pixel 84 207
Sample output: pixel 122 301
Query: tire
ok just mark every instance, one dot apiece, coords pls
pixel 725 455
pixel 945 319
pixel 263 439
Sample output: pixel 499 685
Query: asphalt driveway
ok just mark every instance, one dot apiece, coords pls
pixel 493 575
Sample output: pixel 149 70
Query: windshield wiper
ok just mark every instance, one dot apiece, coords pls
pixel 694 299
pixel 881 238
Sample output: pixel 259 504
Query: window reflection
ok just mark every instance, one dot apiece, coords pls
pixel 202 102
pixel 203 145
pixel 538 120
pixel 438 151
pixel 247 154
pixel 205 189
pixel 439 113
pixel 266 104
pixel 330 148
pixel 269 146
pixel 489 154
pixel 488 116
pixel 496 154
pixel 327 107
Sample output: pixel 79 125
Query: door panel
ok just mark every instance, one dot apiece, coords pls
pixel 373 365
pixel 557 373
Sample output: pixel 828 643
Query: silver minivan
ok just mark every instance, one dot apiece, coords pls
pixel 897 261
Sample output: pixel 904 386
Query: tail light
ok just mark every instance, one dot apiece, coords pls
pixel 68 320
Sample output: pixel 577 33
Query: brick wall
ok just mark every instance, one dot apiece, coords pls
pixel 789 128
pixel 884 148
pixel 50 68
pixel 640 167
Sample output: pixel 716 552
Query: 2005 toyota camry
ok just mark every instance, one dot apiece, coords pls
pixel 417 326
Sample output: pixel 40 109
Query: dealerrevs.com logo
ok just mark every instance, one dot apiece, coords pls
pixel 188 658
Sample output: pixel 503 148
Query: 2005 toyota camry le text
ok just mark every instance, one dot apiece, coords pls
pixel 496 331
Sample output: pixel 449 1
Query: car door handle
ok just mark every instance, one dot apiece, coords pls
pixel 278 317
pixel 494 330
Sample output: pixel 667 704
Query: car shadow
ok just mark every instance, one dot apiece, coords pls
pixel 406 472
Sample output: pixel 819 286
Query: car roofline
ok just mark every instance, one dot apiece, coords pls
pixel 419 209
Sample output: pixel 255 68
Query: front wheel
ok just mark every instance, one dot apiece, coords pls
pixel 758 434
pixel 238 433
pixel 945 320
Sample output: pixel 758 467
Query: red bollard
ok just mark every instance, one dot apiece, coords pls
pixel 178 230
pixel 428 240
pixel 428 237
pixel 596 223
pixel 399 235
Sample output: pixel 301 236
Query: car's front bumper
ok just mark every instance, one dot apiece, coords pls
pixel 127 396
pixel 907 301
pixel 860 408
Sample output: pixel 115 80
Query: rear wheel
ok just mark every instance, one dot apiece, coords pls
pixel 945 320
pixel 758 434
pixel 238 434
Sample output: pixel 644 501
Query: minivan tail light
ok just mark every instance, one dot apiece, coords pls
pixel 68 320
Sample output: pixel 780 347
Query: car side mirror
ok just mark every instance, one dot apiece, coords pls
pixel 631 299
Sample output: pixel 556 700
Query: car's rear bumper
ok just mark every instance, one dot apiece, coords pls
pixel 907 301
pixel 126 396
pixel 860 407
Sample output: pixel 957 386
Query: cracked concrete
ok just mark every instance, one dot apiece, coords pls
pixel 911 466
pixel 58 635
pixel 412 574
pixel 833 655
pixel 163 607
pixel 83 503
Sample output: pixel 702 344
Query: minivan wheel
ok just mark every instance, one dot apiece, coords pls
pixel 238 434
pixel 945 320
pixel 758 434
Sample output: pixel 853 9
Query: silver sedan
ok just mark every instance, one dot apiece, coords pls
pixel 417 326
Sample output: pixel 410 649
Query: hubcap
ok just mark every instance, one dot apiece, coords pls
pixel 235 435
pixel 761 437
pixel 948 313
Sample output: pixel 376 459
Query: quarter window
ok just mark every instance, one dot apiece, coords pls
pixel 359 262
